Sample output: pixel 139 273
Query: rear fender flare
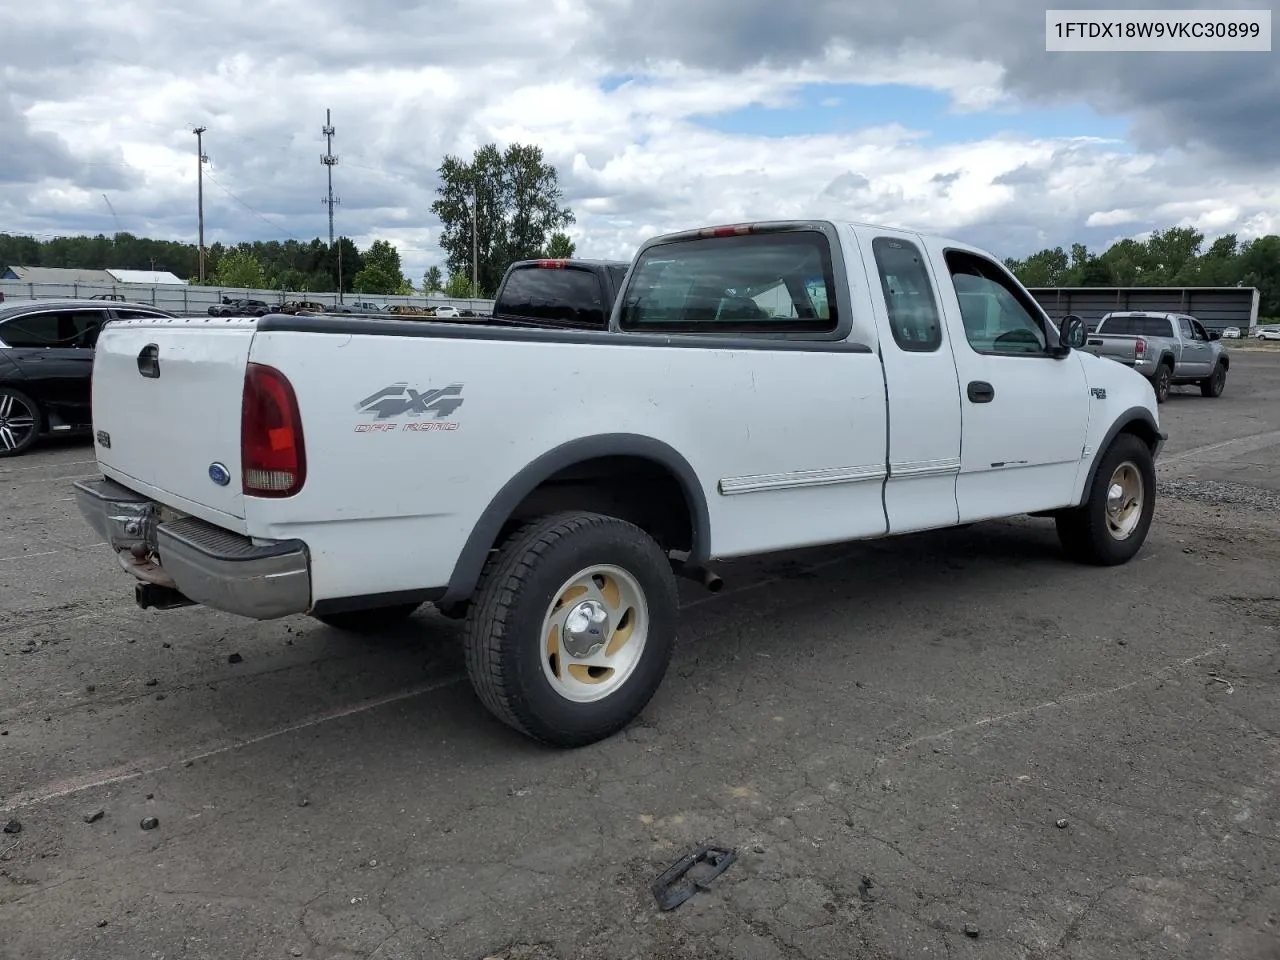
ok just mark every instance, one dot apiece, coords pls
pixel 484 535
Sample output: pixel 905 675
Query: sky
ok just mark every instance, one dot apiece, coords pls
pixel 945 116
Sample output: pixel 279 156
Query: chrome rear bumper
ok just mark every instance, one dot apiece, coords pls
pixel 205 563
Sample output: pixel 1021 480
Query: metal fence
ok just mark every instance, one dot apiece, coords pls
pixel 187 299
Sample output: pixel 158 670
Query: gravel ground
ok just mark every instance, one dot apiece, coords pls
pixel 950 745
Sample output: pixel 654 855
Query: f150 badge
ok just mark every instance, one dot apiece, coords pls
pixel 426 410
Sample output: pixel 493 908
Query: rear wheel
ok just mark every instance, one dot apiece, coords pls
pixel 1112 524
pixel 19 422
pixel 1215 383
pixel 369 621
pixel 572 627
pixel 1162 381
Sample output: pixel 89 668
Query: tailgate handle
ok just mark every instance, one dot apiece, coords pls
pixel 149 361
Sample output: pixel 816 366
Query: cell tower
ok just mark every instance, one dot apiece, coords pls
pixel 330 161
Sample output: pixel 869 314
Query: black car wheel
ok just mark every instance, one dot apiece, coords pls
pixel 19 422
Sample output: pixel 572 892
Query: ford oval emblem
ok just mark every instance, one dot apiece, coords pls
pixel 219 474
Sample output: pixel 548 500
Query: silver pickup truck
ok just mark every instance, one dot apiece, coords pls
pixel 1169 349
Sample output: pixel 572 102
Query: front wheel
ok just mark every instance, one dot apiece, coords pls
pixel 1110 527
pixel 572 627
pixel 1215 383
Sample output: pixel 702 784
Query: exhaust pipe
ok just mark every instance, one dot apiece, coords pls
pixel 703 575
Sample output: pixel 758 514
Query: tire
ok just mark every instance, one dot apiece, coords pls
pixel 20 421
pixel 519 655
pixel 1215 383
pixel 1162 381
pixel 369 621
pixel 1092 533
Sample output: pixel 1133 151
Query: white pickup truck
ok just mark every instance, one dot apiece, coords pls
pixel 761 387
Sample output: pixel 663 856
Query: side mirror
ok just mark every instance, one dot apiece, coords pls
pixel 1215 335
pixel 1071 333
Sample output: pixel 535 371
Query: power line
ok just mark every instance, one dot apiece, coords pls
pixel 247 206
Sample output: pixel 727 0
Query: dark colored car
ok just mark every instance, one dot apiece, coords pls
pixel 240 308
pixel 578 294
pixel 46 361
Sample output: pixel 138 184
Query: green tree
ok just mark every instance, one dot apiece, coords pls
pixel 458 286
pixel 381 270
pixel 240 268
pixel 432 280
pixel 560 247
pixel 506 203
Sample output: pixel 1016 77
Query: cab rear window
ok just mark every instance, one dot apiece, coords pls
pixel 778 282
pixel 559 296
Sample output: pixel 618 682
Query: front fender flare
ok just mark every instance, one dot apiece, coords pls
pixel 1124 421
pixel 484 535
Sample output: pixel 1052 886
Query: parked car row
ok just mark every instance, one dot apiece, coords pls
pixel 242 307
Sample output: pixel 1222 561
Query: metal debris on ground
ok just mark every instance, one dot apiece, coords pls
pixel 102 923
pixel 149 823
pixel 971 930
pixel 1061 824
pixel 13 826
pixel 94 816
pixel 691 873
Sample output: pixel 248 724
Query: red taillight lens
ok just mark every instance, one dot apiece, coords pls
pixel 1140 348
pixel 552 264
pixel 734 230
pixel 272 456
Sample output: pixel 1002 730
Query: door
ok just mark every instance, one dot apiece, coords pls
pixel 54 350
pixel 1197 350
pixel 1025 413
pixel 920 373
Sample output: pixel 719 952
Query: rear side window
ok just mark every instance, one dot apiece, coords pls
pixel 65 328
pixel 753 283
pixel 908 295
pixel 554 295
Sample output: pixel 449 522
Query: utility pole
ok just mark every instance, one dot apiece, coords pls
pixel 475 246
pixel 201 160
pixel 330 161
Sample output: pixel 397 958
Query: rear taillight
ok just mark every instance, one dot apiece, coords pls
pixel 272 456
pixel 733 230
pixel 552 264
pixel 1140 348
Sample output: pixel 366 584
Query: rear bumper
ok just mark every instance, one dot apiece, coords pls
pixel 206 564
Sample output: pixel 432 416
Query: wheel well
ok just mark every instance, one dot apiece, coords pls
pixel 631 488
pixel 1143 430
pixel 1225 361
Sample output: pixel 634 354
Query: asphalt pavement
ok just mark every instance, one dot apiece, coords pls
pixel 948 745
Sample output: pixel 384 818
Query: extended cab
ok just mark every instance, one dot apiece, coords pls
pixel 760 387
pixel 1169 349
pixel 575 294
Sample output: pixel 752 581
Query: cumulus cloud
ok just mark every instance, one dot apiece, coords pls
pixel 102 98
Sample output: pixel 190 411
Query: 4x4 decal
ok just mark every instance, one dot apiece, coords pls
pixel 427 410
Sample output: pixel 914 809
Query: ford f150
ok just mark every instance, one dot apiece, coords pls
pixel 760 387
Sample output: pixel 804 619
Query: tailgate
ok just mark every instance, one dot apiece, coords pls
pixel 166 410
pixel 1113 346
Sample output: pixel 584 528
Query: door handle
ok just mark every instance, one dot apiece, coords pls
pixel 149 361
pixel 981 392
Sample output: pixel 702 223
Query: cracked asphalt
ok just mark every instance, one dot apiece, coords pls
pixel 901 739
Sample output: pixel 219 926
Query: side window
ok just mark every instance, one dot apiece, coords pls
pixel 998 318
pixel 750 283
pixel 1184 325
pixel 40 330
pixel 908 295
pixel 1200 332
pixel 87 324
